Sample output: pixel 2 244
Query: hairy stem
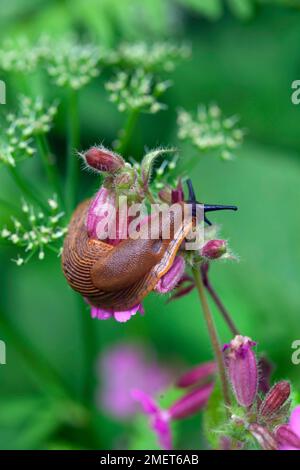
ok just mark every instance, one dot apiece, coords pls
pixel 127 132
pixel 73 143
pixel 213 335
pixel 27 189
pixel 49 166
pixel 224 312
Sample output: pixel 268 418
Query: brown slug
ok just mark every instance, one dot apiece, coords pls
pixel 119 276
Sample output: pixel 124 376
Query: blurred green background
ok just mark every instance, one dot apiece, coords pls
pixel 245 57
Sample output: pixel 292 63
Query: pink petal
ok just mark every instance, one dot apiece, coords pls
pixel 295 420
pixel 161 427
pixel 159 419
pixel 148 404
pixel 126 314
pixel 196 374
pixel 101 313
pixel 170 280
pixel 191 402
pixel 102 204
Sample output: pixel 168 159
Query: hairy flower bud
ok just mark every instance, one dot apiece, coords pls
pixel 274 400
pixel 103 160
pixel 213 249
pixel 242 369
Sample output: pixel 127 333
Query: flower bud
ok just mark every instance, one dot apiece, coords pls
pixel 213 249
pixel 101 159
pixel 264 437
pixel 242 369
pixel 165 194
pixel 286 438
pixel 274 400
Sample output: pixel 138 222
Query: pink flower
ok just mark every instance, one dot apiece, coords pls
pixel 160 420
pixel 288 435
pixel 170 280
pixel 123 368
pixel 120 316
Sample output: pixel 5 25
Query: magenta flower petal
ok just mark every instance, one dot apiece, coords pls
pixel 101 313
pixel 191 403
pixel 126 367
pixel 119 316
pixel 159 419
pixel 202 372
pixel 161 427
pixel 100 206
pixel 148 404
pixel 287 439
pixel 127 314
pixel 295 420
pixel 169 281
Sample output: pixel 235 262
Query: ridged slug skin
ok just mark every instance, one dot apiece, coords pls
pixel 117 277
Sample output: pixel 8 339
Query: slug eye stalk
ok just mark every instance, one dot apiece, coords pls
pixel 207 207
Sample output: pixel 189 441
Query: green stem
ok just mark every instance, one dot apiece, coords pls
pixel 49 165
pixel 213 335
pixel 127 132
pixel 73 144
pixel 27 189
pixel 224 312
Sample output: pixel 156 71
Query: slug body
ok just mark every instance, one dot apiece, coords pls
pixel 119 276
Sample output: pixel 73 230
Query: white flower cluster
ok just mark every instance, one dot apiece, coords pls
pixel 73 65
pixel 19 56
pixel 37 233
pixel 158 56
pixel 32 118
pixel 210 131
pixel 137 91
